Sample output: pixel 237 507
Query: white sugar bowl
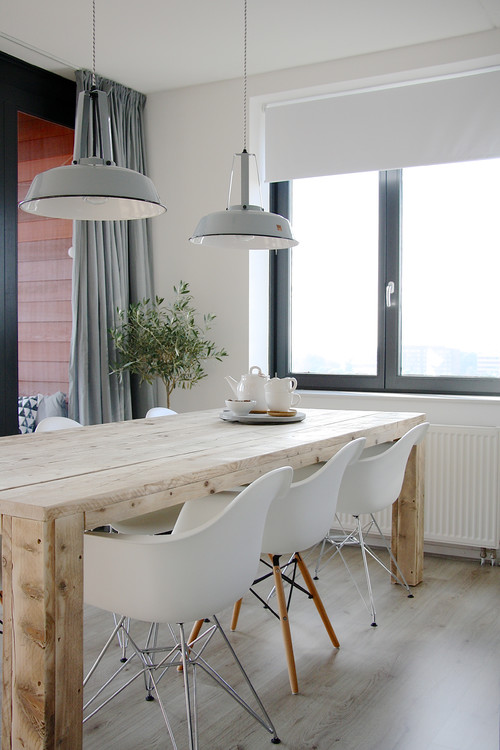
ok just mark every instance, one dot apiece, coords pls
pixel 240 406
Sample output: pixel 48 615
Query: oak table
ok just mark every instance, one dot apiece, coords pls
pixel 55 485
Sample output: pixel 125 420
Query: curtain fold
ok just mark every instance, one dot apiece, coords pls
pixel 112 267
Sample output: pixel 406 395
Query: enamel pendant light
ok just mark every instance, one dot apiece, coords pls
pixel 244 225
pixel 92 188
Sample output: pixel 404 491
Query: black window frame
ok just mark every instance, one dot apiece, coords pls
pixel 387 379
pixel 37 92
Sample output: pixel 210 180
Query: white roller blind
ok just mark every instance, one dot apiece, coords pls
pixel 430 122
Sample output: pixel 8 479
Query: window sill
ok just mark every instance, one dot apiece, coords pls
pixel 439 409
pixel 424 397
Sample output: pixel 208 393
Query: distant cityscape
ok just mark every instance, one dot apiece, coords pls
pixel 442 361
pixel 425 361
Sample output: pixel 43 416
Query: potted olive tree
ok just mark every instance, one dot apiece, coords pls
pixel 155 340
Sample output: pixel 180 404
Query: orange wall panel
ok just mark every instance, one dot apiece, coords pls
pixel 43 249
pixel 39 228
pixel 41 271
pixel 41 312
pixel 46 371
pixel 44 266
pixel 33 291
pixel 32 387
pixel 33 149
pixel 39 351
pixel 59 331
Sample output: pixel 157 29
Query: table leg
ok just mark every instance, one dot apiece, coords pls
pixel 408 519
pixel 43 633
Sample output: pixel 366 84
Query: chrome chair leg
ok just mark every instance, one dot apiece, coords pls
pixel 264 720
pixel 367 572
pixel 191 707
pixel 151 645
pixel 156 661
pixel 346 538
pixel 398 578
pixel 357 537
pixel 122 636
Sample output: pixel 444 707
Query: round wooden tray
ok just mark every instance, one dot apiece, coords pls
pixel 228 416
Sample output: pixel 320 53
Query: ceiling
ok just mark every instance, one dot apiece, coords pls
pixel 154 45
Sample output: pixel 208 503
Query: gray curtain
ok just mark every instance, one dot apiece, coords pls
pixel 112 267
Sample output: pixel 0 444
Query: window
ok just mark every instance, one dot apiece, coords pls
pixel 394 283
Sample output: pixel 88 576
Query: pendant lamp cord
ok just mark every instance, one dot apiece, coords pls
pixel 244 76
pixel 93 45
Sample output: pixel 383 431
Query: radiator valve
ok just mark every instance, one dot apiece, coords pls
pixel 488 554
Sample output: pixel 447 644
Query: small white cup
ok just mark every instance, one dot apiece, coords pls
pixel 282 401
pixel 240 406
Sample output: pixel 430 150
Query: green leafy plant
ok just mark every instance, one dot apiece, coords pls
pixel 154 340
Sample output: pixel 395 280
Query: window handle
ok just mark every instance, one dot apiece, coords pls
pixel 389 291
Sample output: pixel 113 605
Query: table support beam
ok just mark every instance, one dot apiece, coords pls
pixel 407 542
pixel 43 633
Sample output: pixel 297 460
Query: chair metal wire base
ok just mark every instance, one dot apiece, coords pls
pixel 154 663
pixel 357 537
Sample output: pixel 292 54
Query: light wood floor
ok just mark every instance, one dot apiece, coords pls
pixel 427 678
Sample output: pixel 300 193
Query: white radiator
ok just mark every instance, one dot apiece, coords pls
pixel 462 499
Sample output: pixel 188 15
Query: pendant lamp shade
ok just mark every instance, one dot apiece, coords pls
pixel 93 192
pixel 247 227
pixel 92 188
pixel 244 225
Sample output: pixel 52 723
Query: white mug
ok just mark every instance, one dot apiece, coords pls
pixel 281 400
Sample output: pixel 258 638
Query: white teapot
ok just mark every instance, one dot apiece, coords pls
pixel 280 394
pixel 251 386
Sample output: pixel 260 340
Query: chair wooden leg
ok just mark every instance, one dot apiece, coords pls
pixel 317 599
pixel 285 624
pixel 236 614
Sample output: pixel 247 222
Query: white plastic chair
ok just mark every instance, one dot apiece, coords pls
pixel 56 423
pixel 372 485
pixel 159 411
pixel 180 578
pixel 294 523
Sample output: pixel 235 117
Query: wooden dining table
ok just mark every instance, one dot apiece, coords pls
pixel 55 485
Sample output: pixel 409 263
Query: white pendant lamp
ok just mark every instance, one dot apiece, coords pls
pixel 244 225
pixel 92 188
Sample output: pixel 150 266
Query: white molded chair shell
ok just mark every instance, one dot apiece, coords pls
pixel 302 518
pixel 159 411
pixel 156 522
pixel 375 482
pixel 296 521
pixel 187 576
pixel 56 423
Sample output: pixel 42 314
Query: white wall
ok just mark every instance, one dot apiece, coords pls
pixel 192 134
